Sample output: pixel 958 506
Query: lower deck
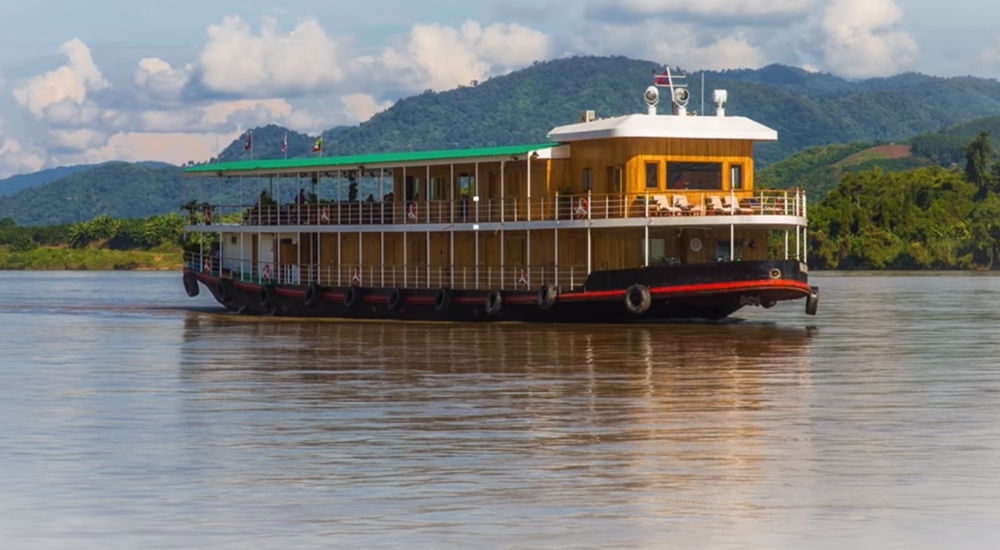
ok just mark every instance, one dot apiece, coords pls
pixel 479 259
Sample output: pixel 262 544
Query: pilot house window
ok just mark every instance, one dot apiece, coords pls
pixel 694 175
pixel 652 175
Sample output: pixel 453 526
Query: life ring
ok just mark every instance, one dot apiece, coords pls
pixel 395 298
pixel 494 301
pixel 225 290
pixel 324 215
pixel 314 294
pixel 812 301
pixel 411 212
pixel 582 208
pixel 355 276
pixel 206 264
pixel 547 296
pixel 266 272
pixel 442 299
pixel 695 244
pixel 352 297
pixel 522 279
pixel 637 299
pixel 191 284
pixel 267 296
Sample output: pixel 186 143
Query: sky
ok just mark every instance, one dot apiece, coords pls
pixel 98 80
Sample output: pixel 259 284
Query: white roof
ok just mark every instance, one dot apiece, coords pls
pixel 665 126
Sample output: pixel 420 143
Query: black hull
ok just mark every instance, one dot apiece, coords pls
pixel 698 291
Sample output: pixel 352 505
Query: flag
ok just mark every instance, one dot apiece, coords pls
pixel 248 144
pixel 284 144
pixel 318 146
pixel 662 79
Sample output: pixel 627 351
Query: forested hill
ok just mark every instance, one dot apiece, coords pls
pixel 119 189
pixel 806 108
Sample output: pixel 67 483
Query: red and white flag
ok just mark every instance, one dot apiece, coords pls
pixel 248 144
pixel 284 144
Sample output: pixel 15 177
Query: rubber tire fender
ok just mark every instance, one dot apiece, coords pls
pixel 314 294
pixel 191 284
pixel 637 299
pixel 547 296
pixel 395 299
pixel 494 302
pixel 812 301
pixel 442 299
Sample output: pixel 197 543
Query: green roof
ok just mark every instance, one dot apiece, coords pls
pixel 318 163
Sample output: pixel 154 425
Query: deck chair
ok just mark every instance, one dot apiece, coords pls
pixel 663 206
pixel 681 201
pixel 716 205
pixel 735 208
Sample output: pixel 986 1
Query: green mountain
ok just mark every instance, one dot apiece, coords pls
pixel 117 188
pixel 19 182
pixel 820 169
pixel 808 110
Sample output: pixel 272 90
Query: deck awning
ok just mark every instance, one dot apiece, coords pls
pixel 376 160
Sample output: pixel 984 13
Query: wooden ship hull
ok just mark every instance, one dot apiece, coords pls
pixel 636 218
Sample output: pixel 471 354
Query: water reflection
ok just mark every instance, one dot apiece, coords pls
pixel 553 418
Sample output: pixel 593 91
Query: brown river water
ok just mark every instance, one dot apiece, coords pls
pixel 135 417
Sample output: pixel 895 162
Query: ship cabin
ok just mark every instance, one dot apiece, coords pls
pixel 602 194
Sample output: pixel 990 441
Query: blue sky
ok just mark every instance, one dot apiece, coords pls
pixel 115 80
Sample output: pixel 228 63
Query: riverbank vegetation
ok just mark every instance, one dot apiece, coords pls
pixel 104 243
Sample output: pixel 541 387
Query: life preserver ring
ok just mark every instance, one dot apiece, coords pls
pixel 547 296
pixel 324 215
pixel 637 299
pixel 267 296
pixel 206 264
pixel 395 299
pixel 225 290
pixel 442 299
pixel 582 208
pixel 522 279
pixel 494 301
pixel 191 284
pixel 352 297
pixel 355 276
pixel 812 301
pixel 266 272
pixel 411 212
pixel 695 244
pixel 314 294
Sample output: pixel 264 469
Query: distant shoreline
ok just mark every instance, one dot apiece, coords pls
pixel 90 259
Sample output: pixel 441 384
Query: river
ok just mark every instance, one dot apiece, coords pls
pixel 136 417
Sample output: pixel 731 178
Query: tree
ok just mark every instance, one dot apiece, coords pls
pixel 978 157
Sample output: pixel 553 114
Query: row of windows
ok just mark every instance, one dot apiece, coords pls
pixel 693 175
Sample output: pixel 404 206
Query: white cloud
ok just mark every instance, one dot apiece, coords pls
pixel 438 57
pixel 236 60
pixel 159 80
pixel 710 8
pixel 76 140
pixel 862 38
pixel 991 55
pixel 361 107
pixel 67 85
pixel 678 44
pixel 17 159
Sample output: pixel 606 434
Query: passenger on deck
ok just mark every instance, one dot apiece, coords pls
pixel 301 198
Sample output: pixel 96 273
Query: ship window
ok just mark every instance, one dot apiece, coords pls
pixel 466 186
pixel 412 188
pixel 652 175
pixel 694 175
pixel 736 176
pixel 437 189
pixel 615 178
pixel 587 179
